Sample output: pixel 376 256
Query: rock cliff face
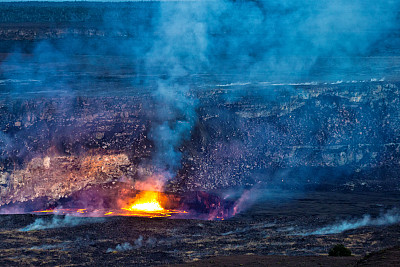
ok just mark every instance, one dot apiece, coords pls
pixel 59 176
pixel 53 147
pixel 334 137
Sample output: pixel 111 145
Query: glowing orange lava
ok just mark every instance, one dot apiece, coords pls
pixel 147 204
pixel 45 211
pixel 144 204
pixel 147 201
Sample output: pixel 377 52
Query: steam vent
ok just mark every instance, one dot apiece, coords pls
pixel 202 133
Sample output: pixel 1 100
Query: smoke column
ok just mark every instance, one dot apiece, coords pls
pixel 179 53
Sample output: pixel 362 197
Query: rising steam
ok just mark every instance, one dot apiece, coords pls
pixel 183 32
pixel 387 218
pixel 57 222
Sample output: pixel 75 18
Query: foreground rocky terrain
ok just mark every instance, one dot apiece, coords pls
pixel 276 226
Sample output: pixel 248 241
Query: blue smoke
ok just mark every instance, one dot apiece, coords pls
pixel 179 53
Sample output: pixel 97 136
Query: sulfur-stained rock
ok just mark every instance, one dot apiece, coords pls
pixel 59 176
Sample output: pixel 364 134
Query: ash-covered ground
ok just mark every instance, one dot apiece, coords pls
pixel 277 226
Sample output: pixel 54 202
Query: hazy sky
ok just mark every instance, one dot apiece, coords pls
pixel 79 0
pixel 97 0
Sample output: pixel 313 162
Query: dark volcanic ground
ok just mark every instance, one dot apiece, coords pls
pixel 269 228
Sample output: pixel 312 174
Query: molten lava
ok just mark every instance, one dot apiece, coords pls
pixel 148 204
pixel 147 201
pixel 123 200
pixel 144 204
